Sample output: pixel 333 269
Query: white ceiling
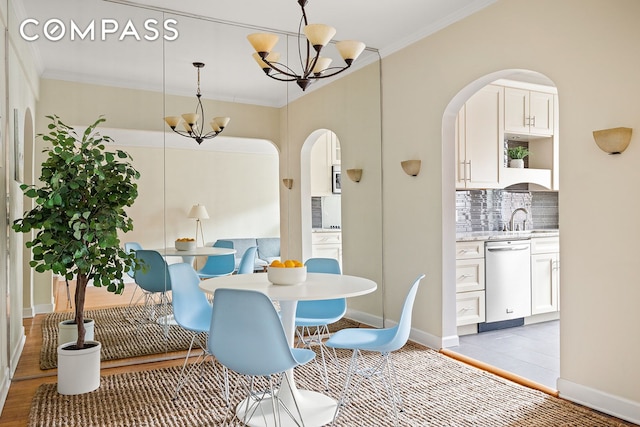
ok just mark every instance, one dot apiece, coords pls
pixel 214 32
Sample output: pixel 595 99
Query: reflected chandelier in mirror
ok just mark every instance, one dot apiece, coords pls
pixel 193 127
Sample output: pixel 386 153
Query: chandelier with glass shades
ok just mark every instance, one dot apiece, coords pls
pixel 314 66
pixel 193 123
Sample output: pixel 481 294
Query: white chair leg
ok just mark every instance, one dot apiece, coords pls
pixel 306 339
pixel 384 371
pixel 259 388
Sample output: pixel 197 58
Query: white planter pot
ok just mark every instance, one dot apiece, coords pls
pixel 68 331
pixel 79 370
pixel 516 163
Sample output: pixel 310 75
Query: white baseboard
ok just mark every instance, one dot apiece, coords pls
pixel 43 308
pixel 17 352
pixel 28 313
pixel 416 335
pixel 4 388
pixel 427 339
pixel 450 341
pixel 604 402
pixel 366 318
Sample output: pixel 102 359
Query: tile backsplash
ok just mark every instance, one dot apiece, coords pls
pixel 490 210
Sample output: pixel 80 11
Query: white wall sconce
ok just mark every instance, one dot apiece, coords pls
pixel 288 182
pixel 613 141
pixel 354 175
pixel 411 167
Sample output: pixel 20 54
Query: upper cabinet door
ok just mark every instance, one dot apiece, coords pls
pixel 528 112
pixel 484 137
pixel 541 113
pixel 516 110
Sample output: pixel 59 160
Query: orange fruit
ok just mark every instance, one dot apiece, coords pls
pixel 276 263
pixel 297 263
pixel 289 263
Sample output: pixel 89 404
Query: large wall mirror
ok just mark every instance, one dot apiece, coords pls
pixel 238 175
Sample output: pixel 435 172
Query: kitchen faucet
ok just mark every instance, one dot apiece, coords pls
pixel 513 214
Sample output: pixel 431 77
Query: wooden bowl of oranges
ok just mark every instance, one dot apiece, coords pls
pixel 289 272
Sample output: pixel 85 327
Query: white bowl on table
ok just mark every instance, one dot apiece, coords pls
pixel 286 275
pixel 185 245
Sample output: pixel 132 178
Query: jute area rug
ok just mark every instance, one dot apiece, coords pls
pixel 437 391
pixel 122 336
pixel 120 332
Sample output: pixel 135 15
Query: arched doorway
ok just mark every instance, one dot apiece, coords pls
pixel 483 205
pixel 321 195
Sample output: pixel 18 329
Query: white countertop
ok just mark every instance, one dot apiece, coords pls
pixel 506 235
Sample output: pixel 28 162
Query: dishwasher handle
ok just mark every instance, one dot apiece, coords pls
pixel 508 248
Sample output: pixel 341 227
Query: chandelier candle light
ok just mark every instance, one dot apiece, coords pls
pixel 193 125
pixel 315 67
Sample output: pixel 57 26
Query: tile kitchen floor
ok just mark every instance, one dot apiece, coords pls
pixel 531 351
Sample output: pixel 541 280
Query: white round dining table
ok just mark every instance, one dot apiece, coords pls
pixel 188 255
pixel 199 251
pixel 317 409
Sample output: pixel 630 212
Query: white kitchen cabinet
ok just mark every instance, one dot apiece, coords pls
pixel 470 308
pixel 545 275
pixel 466 249
pixel 469 275
pixel 470 296
pixel 528 112
pixel 479 139
pixel 327 245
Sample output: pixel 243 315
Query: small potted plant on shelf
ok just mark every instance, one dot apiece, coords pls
pixel 517 155
pixel 80 208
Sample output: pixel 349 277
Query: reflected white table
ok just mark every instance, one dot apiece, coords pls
pixel 187 255
pixel 317 409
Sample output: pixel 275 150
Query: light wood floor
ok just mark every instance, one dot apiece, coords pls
pixel 28 375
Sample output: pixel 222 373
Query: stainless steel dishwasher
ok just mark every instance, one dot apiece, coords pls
pixel 507 280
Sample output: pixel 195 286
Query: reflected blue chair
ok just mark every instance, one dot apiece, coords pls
pixel 128 248
pixel 248 261
pixel 152 276
pixel 313 317
pixel 383 341
pixel 247 337
pixel 192 311
pixel 219 265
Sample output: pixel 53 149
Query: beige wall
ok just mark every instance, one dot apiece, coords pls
pixel 239 189
pixel 350 108
pixel 586 47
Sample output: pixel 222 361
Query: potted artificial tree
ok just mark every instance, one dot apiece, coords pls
pixel 517 155
pixel 80 208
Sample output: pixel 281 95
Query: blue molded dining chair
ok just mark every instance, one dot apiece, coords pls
pixel 128 248
pixel 383 341
pixel 219 265
pixel 248 261
pixel 313 317
pixel 247 337
pixel 152 276
pixel 192 311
